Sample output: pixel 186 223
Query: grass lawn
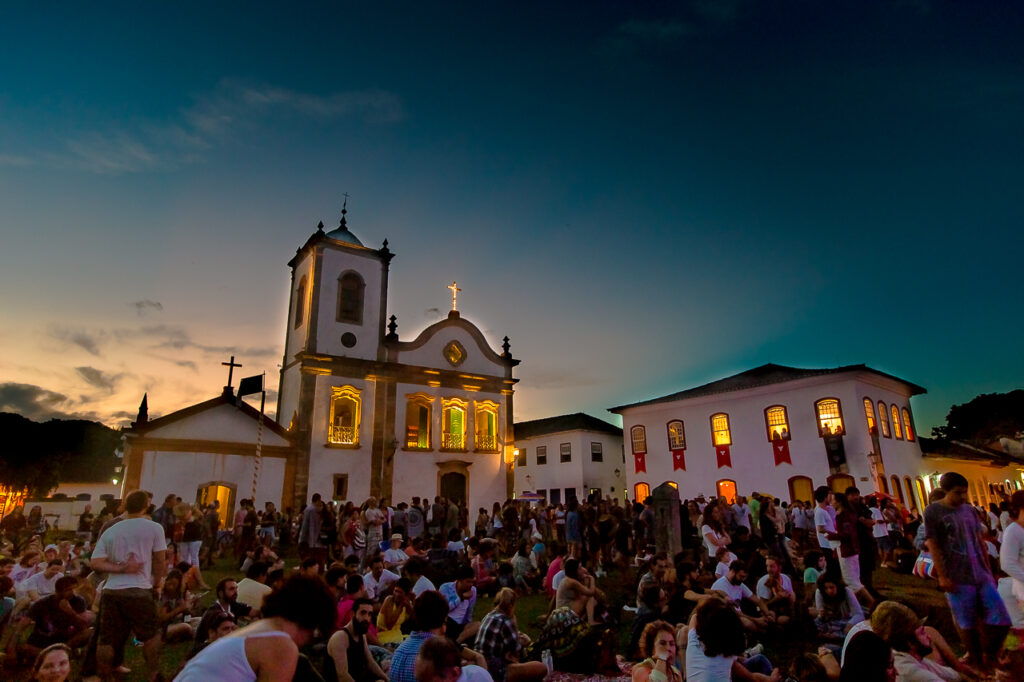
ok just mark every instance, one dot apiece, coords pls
pixel 924 597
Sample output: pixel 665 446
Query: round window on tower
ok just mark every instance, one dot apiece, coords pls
pixel 348 339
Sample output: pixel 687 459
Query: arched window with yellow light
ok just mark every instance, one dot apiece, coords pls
pixel 418 417
pixel 776 423
pixel 907 426
pixel 676 435
pixel 346 404
pixel 896 430
pixel 453 424
pixel 883 420
pixel 869 415
pixel 638 436
pixel 830 417
pixel 486 426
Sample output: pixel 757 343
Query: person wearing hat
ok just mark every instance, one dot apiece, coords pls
pixel 394 556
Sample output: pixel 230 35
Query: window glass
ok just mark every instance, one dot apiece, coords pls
pixel 720 433
pixel 869 415
pixel 896 430
pixel 453 422
pixel 542 454
pixel 417 424
pixel 521 457
pixel 777 422
pixel 596 452
pixel 344 425
pixel 830 420
pixel 638 435
pixel 350 298
pixel 565 452
pixel 883 420
pixel 906 424
pixel 676 435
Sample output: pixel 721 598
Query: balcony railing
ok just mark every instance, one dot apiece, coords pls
pixel 453 441
pixel 485 441
pixel 342 435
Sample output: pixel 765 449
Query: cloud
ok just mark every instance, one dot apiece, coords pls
pixel 98 379
pixel 88 342
pixel 145 305
pixel 229 110
pixel 432 312
pixel 177 338
pixel 34 402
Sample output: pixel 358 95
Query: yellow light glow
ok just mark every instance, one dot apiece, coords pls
pixel 434 384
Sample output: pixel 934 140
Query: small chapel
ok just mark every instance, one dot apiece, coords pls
pixel 360 411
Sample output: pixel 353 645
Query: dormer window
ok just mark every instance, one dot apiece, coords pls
pixel 350 298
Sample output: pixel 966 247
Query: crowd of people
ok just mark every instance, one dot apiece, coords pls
pixel 390 592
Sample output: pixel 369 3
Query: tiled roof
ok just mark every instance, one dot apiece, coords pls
pixel 565 422
pixel 955 449
pixel 764 376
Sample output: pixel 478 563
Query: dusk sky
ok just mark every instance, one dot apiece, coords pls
pixel 644 196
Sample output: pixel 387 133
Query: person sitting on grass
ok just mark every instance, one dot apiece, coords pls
pixel 53 664
pixel 268 650
pixel 58 618
pixel 439 660
pixel 733 587
pixel 348 651
pixel 835 609
pixel 431 611
pixel 395 612
pixel 715 644
pixel 172 606
pixel 776 590
pixel 658 647
pixel 503 645
pixel 461 596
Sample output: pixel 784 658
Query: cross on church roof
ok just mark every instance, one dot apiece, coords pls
pixel 455 295
pixel 231 364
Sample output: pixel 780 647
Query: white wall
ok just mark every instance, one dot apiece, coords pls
pixel 181 473
pixel 221 423
pixel 329 330
pixel 753 465
pixel 430 354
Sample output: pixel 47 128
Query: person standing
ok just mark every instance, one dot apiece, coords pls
pixel 953 536
pixel 865 539
pixel 309 532
pixel 132 553
pixel 414 520
pixel 825 526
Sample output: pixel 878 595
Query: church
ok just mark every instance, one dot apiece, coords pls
pixel 361 412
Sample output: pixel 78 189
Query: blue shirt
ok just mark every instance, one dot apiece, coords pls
pixel 403 663
pixel 460 610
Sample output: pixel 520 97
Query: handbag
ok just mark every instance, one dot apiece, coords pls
pixel 924 566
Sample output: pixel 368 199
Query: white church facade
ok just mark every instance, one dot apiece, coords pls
pixel 362 412
pixel 781 431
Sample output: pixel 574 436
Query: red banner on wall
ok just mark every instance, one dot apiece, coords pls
pixel 722 453
pixel 781 449
pixel 678 460
pixel 640 459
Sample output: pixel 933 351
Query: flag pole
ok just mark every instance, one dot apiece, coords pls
pixel 259 440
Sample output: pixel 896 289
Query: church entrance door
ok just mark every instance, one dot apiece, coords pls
pixel 453 487
pixel 221 492
pixel 727 489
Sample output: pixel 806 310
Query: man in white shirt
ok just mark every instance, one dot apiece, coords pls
pixel 377 579
pixel 825 527
pixel 35 587
pixel 741 512
pixel 253 587
pixel 132 554
pixel 394 556
pixel 776 590
pixel 733 587
pixel 415 568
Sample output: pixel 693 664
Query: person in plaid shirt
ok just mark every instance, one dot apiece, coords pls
pixel 431 611
pixel 501 644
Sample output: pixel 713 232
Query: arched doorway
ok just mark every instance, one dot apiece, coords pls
pixel 453 481
pixel 838 483
pixel 222 492
pixel 727 489
pixel 801 488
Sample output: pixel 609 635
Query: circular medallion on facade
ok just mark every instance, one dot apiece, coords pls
pixel 454 353
pixel 348 339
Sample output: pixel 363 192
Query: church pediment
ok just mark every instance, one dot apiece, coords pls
pixel 453 344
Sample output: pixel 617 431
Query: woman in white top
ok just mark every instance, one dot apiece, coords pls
pixel 268 649
pixel 714 643
pixel 713 530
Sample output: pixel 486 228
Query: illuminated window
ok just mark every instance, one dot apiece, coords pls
pixel 830 417
pixel 906 424
pixel 869 414
pixel 350 298
pixel 641 491
pixel 727 488
pixel 883 419
pixel 486 426
pixel 720 433
pixel 345 406
pixel 596 452
pixel 300 302
pixel 453 424
pixel 417 421
pixel 676 435
pixel 776 422
pixel 896 430
pixel 542 454
pixel 638 434
pixel 565 452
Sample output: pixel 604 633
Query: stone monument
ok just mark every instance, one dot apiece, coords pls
pixel 665 500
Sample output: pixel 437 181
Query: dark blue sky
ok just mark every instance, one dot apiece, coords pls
pixel 643 196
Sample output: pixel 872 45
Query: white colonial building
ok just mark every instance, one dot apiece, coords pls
pixel 361 412
pixel 569 456
pixel 781 431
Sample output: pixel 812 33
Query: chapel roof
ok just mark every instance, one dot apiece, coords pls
pixel 227 397
pixel 566 422
pixel 763 376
